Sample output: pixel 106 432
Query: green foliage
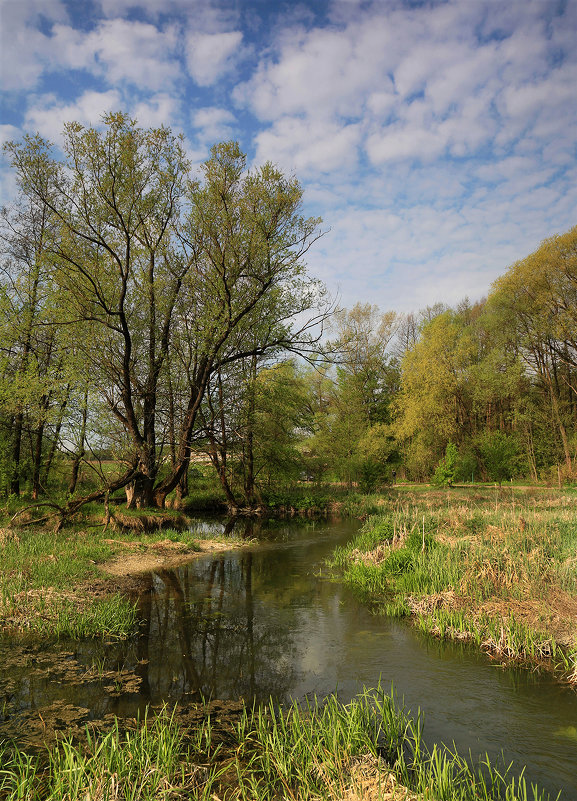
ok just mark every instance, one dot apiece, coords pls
pixel 375 531
pixel 499 453
pixel 379 456
pixel 467 465
pixel 352 438
pixel 446 470
pixel 215 268
pixel 306 751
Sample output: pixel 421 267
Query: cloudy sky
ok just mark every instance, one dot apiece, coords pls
pixel 438 140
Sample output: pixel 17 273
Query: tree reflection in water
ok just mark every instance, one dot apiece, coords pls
pixel 204 637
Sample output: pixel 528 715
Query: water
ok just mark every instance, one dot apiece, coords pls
pixel 264 622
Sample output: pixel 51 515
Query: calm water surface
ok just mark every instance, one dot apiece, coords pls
pixel 263 622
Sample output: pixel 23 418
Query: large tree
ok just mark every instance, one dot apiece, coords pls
pixel 535 304
pixel 168 271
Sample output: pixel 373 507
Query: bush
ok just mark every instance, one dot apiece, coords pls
pixel 500 455
pixel 445 473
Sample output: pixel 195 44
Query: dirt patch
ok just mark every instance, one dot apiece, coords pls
pixel 139 558
pixel 557 614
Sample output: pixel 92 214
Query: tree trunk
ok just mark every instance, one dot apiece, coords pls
pixel 220 467
pixel 37 461
pixel 56 438
pixel 142 495
pixel 249 488
pixel 183 452
pixel 182 489
pixel 16 451
pixel 79 455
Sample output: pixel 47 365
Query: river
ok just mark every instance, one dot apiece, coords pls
pixel 265 622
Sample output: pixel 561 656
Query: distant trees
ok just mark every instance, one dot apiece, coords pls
pixel 352 427
pixel 499 379
pixel 535 303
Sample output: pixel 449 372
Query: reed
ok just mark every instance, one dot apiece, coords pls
pixel 368 748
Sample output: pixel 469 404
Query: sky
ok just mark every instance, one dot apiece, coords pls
pixel 437 140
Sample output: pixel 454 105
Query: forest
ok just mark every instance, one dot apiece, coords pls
pixel 153 322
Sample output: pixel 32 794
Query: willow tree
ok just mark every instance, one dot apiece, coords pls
pixel 168 270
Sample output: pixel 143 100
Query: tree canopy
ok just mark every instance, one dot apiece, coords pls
pixel 152 314
pixel 165 278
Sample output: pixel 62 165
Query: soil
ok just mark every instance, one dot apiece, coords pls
pixel 137 559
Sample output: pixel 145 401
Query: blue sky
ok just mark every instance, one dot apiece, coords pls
pixel 438 140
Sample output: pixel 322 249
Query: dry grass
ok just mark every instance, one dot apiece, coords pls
pixel 507 557
pixel 369 781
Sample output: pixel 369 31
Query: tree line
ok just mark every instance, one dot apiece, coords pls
pixel 154 317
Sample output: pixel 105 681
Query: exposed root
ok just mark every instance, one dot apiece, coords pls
pixel 146 523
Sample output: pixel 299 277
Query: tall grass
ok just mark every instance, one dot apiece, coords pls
pixel 149 763
pixel 330 750
pixel 465 564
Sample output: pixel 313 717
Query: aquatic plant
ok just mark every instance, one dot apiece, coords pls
pixel 320 750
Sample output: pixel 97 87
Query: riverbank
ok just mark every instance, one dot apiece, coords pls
pixel 85 582
pixel 369 749
pixel 496 568
pixel 272 757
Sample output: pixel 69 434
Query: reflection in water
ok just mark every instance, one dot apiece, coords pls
pixel 260 622
pixel 203 636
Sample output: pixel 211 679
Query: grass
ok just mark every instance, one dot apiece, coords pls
pixel 39 570
pixel 46 577
pixel 494 567
pixel 370 748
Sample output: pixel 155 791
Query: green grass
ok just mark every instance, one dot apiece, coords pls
pixel 467 565
pixel 40 571
pixel 319 751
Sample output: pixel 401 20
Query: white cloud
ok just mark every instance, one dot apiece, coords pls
pixel 122 51
pixel 321 72
pixel 119 50
pixel 49 114
pixel 24 48
pixel 418 82
pixel 9 133
pixel 437 139
pixel 210 55
pixel 8 187
pixel 213 124
pixel 309 145
pixel 199 9
pixel 159 109
pixel 137 52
